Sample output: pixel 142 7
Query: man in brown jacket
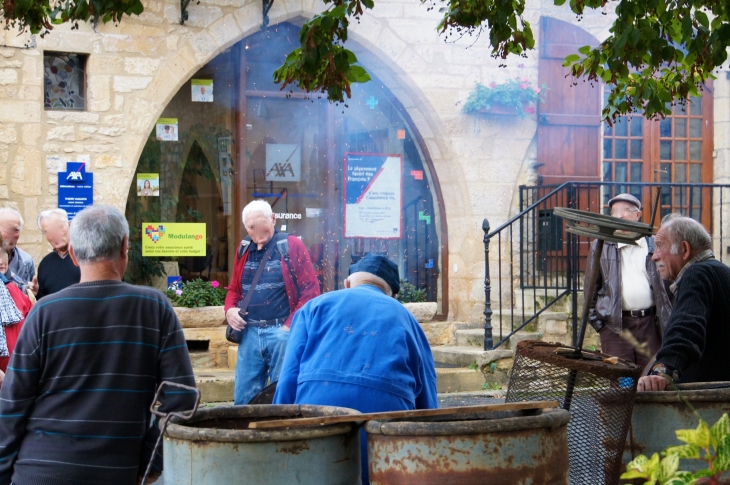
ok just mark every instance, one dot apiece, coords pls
pixel 630 306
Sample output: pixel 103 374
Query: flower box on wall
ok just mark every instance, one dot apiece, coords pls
pixel 499 109
pixel 515 97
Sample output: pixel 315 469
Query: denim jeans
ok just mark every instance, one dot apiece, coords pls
pixel 260 355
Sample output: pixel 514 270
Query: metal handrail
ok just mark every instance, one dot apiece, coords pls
pixel 549 262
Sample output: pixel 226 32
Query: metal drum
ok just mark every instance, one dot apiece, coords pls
pixel 507 448
pixel 657 415
pixel 215 447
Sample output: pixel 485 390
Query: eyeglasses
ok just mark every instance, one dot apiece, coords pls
pixel 624 212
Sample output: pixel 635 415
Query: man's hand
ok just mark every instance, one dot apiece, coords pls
pixel 2 378
pixel 234 319
pixel 33 285
pixel 652 383
pixel 151 478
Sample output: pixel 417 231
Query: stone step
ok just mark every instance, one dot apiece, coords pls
pixel 216 385
pixel 459 380
pixel 520 336
pixel 202 360
pixel 465 355
pixel 473 337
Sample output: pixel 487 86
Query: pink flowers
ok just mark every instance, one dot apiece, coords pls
pixel 525 79
pixel 530 110
pixel 492 85
pixel 523 86
pixel 178 292
pixel 537 90
pixel 214 284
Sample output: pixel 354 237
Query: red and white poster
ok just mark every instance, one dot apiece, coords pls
pixel 373 195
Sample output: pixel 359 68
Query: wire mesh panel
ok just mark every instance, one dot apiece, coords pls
pixel 600 404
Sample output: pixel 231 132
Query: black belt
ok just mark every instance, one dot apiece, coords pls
pixel 639 313
pixel 266 323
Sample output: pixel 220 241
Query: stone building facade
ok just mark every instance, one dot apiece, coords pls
pixel 135 69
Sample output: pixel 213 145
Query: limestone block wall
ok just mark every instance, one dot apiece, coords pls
pixel 135 69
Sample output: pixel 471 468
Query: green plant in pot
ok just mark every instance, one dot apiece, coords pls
pixel 197 293
pixel 517 93
pixel 410 294
pixel 708 444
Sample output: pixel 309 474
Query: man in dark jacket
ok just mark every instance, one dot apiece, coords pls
pixel 630 304
pixel 75 405
pixel 697 336
pixel 286 284
pixel 56 271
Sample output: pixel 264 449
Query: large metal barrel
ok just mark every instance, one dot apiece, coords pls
pixel 216 448
pixel 489 449
pixel 657 415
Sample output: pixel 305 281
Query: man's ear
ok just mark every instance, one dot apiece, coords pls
pixel 685 250
pixel 73 255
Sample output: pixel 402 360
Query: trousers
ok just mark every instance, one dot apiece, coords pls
pixel 260 355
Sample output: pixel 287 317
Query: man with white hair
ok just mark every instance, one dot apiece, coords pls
pixel 57 270
pixel 75 404
pixel 697 336
pixel 21 268
pixel 359 348
pixel 286 281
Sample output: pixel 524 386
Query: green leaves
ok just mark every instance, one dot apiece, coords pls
pixel 711 445
pixel 322 64
pixel 699 437
pixel 39 16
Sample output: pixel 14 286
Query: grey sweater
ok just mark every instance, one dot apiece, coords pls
pixel 74 408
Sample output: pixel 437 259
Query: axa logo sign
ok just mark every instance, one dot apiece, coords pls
pixel 283 162
pixel 76 175
pixel 281 170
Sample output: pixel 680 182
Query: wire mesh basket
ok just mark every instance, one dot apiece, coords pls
pixel 598 394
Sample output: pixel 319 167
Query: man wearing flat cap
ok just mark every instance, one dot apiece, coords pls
pixel 630 305
pixel 359 348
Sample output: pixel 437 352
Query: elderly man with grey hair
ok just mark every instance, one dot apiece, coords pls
pixel 75 404
pixel 273 277
pixel 57 270
pixel 697 336
pixel 21 268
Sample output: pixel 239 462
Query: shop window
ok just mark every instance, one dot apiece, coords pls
pixel 248 140
pixel 64 78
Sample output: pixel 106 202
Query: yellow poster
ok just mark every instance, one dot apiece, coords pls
pixel 173 239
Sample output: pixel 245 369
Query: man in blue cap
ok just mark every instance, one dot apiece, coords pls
pixel 359 348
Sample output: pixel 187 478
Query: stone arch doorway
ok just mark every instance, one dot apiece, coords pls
pixel 243 123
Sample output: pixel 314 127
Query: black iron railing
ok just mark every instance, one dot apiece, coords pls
pixel 538 263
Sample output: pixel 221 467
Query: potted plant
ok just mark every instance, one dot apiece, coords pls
pixel 516 96
pixel 415 302
pixel 198 303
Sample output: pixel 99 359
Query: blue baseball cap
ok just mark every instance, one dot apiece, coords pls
pixel 379 266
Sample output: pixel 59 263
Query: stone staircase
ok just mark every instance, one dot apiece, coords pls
pixel 457 347
pixel 466 347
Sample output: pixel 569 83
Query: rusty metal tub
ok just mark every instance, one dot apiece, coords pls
pixel 490 449
pixel 216 448
pixel 657 415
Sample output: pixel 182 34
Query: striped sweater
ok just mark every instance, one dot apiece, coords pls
pixel 74 408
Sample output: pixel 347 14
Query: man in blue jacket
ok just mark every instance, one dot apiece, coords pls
pixel 359 348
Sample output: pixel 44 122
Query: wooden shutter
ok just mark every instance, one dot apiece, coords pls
pixel 569 121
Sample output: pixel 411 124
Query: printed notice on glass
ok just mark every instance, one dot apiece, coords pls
pixel 166 129
pixel 373 195
pixel 202 90
pixel 173 239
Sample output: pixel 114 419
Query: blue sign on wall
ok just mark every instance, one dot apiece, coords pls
pixel 75 188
